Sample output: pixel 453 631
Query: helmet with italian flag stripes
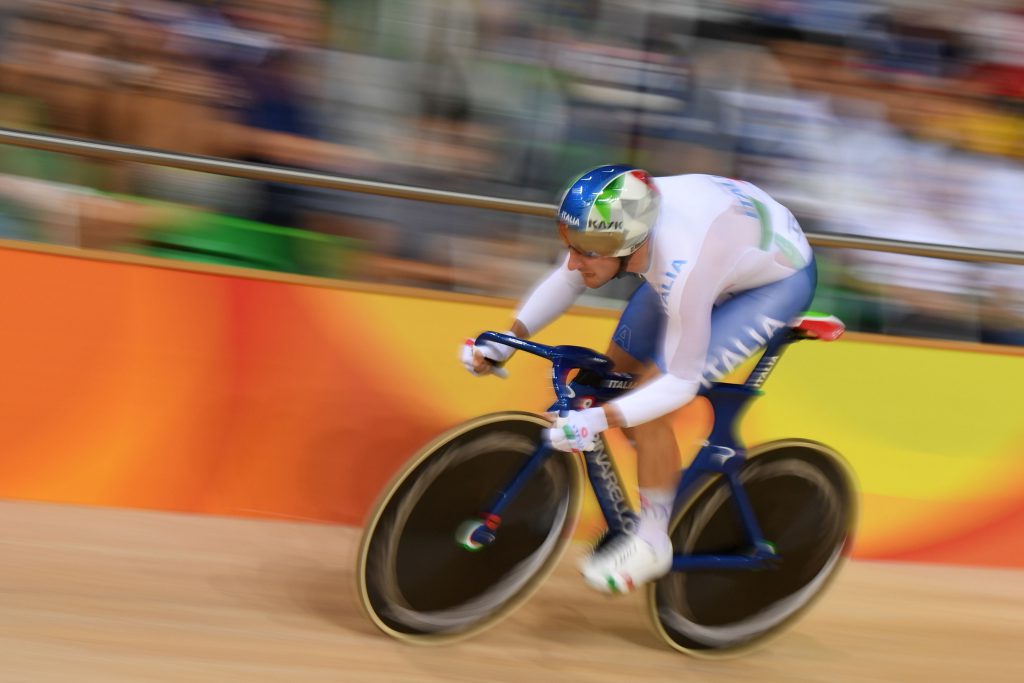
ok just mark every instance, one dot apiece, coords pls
pixel 609 211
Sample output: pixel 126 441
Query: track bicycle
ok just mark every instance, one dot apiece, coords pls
pixel 468 529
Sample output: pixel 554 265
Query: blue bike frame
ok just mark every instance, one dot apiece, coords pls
pixel 722 453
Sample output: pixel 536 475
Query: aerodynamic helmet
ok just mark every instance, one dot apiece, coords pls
pixel 609 210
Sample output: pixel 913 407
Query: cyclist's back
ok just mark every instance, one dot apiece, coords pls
pixel 715 238
pixel 734 231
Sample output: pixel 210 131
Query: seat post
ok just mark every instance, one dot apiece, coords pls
pixel 770 358
pixel 810 325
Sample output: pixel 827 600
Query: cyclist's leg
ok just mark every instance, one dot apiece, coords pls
pixel 624 562
pixel 745 323
pixel 636 348
pixel 739 327
pixel 637 338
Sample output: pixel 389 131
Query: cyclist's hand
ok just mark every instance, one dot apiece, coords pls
pixel 485 358
pixel 579 430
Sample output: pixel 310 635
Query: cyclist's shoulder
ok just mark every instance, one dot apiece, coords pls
pixel 700 189
pixel 692 200
pixel 712 185
pixel 672 183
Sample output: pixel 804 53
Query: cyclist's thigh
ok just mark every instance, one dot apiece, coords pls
pixel 743 324
pixel 636 343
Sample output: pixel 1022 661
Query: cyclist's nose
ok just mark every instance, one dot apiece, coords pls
pixel 575 260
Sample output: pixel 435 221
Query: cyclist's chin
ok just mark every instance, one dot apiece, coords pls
pixel 595 280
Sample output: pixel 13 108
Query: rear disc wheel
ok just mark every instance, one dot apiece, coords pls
pixel 804 500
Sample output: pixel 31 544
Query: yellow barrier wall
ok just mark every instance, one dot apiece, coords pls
pixel 133 385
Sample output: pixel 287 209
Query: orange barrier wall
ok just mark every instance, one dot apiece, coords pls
pixel 140 386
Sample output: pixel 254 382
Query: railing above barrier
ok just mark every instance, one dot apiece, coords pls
pixel 227 167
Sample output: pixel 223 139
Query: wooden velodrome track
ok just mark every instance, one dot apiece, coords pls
pixel 105 595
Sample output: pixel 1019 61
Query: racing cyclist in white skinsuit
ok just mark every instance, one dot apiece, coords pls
pixel 725 266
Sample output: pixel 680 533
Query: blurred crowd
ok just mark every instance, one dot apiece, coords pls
pixel 900 119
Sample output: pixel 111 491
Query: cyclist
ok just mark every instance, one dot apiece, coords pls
pixel 724 267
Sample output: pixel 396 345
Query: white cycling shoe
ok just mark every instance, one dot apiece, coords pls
pixel 626 562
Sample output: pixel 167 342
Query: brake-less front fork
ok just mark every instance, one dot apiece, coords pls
pixel 480 531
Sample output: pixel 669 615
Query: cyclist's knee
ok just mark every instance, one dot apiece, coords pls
pixel 658 428
pixel 623 362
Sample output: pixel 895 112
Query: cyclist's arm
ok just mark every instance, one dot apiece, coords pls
pixel 654 399
pixel 548 300
pixel 687 334
pixel 684 347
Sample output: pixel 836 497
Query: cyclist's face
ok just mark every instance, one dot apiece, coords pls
pixel 596 270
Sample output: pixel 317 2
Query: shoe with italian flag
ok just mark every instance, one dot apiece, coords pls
pixel 625 562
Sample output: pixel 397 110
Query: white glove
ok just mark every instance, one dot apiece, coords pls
pixel 579 430
pixel 496 353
